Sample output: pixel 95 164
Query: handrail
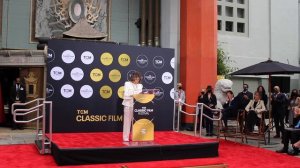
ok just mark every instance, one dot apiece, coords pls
pixel 213 119
pixel 183 103
pixel 198 106
pixel 39 103
pixel 206 106
pixel 26 103
pixel 30 109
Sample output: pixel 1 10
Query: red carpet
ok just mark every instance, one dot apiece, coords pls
pixel 233 154
pixel 114 139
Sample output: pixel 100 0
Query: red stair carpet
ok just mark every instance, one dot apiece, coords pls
pixel 233 154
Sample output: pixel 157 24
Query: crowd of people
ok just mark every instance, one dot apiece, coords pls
pixel 285 112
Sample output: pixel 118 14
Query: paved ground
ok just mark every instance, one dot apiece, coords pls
pixel 8 136
pixel 27 136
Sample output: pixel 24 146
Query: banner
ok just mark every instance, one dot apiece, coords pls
pixel 85 83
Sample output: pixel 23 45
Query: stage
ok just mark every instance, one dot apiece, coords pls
pixel 108 147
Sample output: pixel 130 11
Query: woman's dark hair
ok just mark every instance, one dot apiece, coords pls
pixel 209 88
pixel 294 94
pixel 263 90
pixel 229 91
pixel 135 75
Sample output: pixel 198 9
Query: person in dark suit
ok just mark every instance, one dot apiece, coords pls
pixel 278 101
pixel 17 95
pixel 210 100
pixel 244 97
pixel 230 108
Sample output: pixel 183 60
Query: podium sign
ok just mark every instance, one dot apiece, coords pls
pixel 143 126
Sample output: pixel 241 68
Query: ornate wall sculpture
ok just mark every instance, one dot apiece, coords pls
pixel 53 17
pixel 31 82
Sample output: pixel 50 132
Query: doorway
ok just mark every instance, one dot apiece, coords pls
pixel 31 77
pixel 7 77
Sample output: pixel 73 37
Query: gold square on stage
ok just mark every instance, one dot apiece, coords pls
pixel 143 130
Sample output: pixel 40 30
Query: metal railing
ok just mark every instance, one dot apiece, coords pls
pixel 39 108
pixel 199 107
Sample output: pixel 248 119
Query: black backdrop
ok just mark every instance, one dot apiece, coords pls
pixel 87 100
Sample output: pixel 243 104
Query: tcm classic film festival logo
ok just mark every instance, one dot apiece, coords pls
pixel 150 77
pixel 87 57
pixel 142 61
pixel 158 62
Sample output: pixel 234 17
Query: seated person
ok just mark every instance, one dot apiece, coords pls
pixel 230 108
pixel 254 111
pixel 293 135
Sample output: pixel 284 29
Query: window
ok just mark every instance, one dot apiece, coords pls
pixel 229 26
pixel 219 25
pixel 241 27
pixel 240 1
pixel 240 13
pixel 229 11
pixel 219 10
pixel 233 17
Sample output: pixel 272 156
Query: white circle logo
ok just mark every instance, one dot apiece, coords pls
pixel 172 93
pixel 172 62
pixel 158 62
pixel 77 74
pixel 86 91
pixel 49 90
pixel 167 77
pixel 87 57
pixel 149 77
pixel 57 73
pixel 67 91
pixel 142 61
pixel 51 55
pixel 68 56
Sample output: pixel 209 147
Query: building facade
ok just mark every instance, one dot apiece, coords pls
pixel 18 40
pixel 252 31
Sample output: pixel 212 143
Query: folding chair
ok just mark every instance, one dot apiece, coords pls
pixel 235 127
pixel 260 134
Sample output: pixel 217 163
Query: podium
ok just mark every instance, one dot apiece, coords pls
pixel 143 117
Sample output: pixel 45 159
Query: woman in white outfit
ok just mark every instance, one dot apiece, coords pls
pixel 131 88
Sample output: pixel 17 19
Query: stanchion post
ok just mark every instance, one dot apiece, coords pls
pixel 174 113
pixel 37 121
pixel 178 116
pixel 196 120
pixel 201 119
pixel 50 122
pixel 44 128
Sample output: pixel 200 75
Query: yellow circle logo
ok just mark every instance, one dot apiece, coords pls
pixel 105 92
pixel 124 60
pixel 96 75
pixel 115 75
pixel 106 59
pixel 121 92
